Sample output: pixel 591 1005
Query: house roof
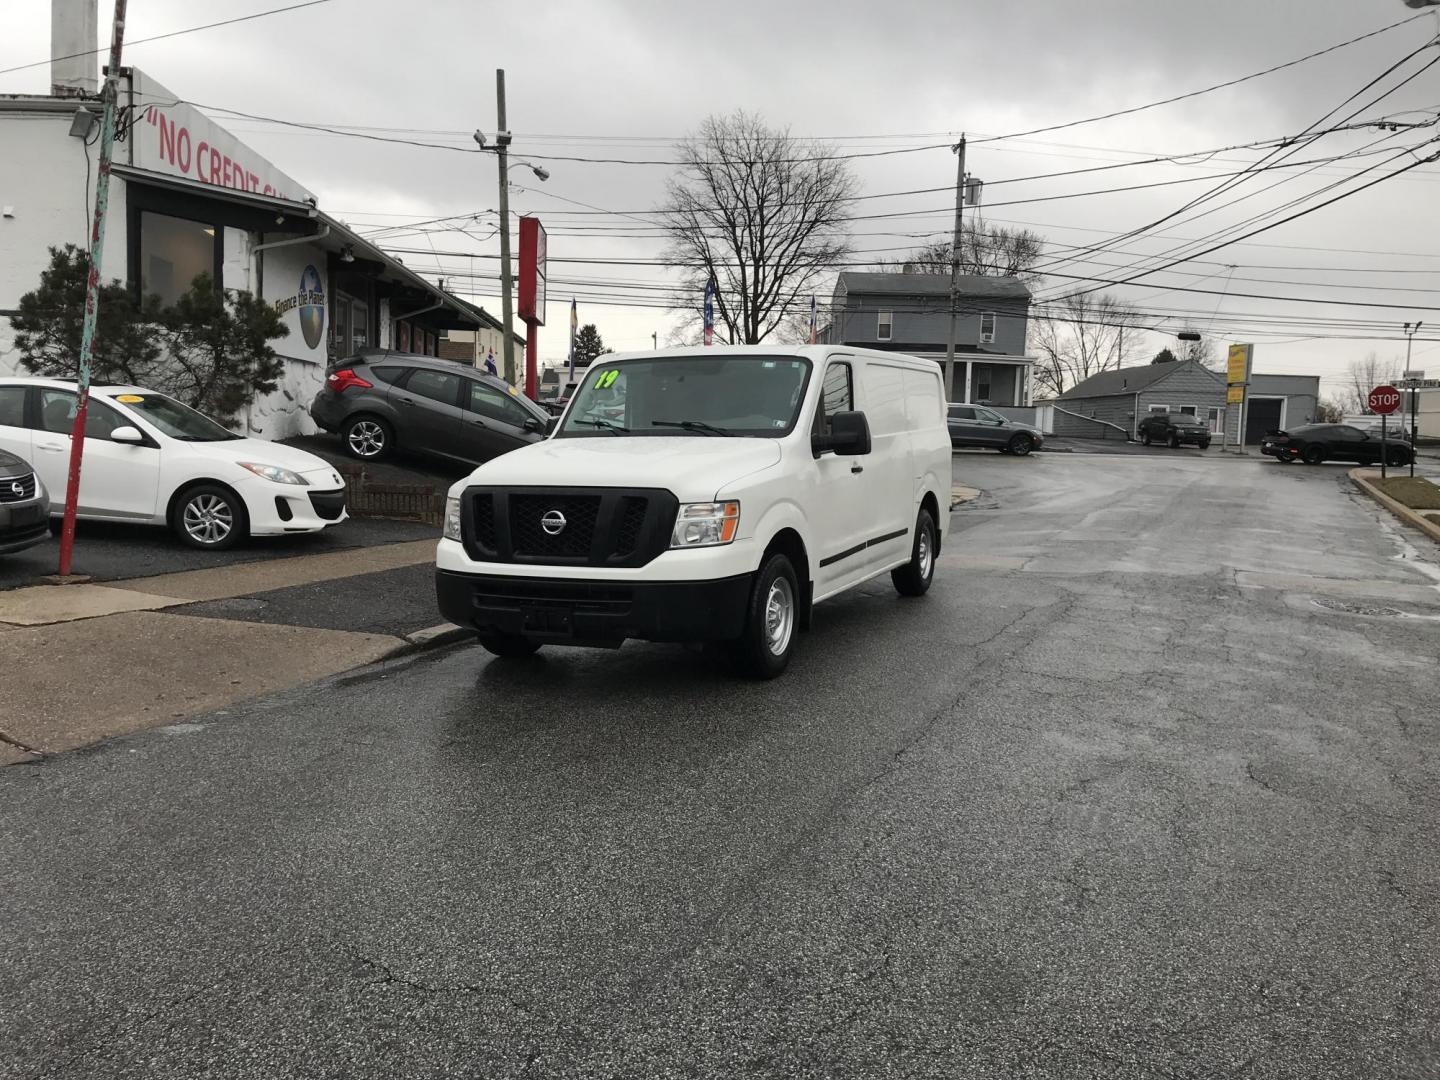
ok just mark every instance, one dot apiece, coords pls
pixel 1128 380
pixel 932 285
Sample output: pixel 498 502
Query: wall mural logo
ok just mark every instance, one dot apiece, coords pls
pixel 310 301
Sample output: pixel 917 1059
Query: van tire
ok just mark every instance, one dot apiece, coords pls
pixel 914 578
pixel 755 652
pixel 508 645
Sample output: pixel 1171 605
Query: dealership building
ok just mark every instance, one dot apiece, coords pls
pixel 187 197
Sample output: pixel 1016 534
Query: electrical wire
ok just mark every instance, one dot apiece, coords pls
pixel 171 34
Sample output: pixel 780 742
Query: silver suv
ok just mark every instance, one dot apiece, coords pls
pixel 379 401
pixel 24 506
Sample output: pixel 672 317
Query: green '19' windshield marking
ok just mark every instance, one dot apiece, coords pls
pixel 607 380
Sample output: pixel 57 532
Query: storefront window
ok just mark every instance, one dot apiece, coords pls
pixel 350 325
pixel 173 253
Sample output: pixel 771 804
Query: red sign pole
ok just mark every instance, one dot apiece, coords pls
pixel 532 347
pixel 1384 399
pixel 92 289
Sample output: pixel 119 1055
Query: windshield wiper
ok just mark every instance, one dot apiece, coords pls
pixel 693 425
pixel 608 425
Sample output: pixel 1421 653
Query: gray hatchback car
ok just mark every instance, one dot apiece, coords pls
pixel 24 505
pixel 381 401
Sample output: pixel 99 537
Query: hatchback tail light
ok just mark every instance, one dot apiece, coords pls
pixel 344 379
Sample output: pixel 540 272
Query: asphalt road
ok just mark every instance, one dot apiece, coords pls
pixel 109 552
pixel 1145 787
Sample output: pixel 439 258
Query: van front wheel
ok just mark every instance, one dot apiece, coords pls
pixel 771 620
pixel 913 579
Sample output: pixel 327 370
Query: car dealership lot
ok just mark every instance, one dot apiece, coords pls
pixel 1033 822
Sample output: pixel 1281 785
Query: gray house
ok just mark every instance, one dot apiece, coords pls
pixel 911 313
pixel 1111 404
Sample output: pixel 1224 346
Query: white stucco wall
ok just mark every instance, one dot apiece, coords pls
pixel 42 182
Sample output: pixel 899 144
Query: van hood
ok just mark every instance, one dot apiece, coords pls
pixel 694 468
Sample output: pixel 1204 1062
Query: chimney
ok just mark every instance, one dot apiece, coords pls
pixel 74 28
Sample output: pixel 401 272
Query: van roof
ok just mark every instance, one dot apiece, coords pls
pixel 810 352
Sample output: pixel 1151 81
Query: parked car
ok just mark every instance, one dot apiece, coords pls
pixel 1317 443
pixel 704 495
pixel 151 460
pixel 1175 429
pixel 380 401
pixel 24 505
pixel 975 425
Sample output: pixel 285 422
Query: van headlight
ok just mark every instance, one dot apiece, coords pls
pixel 452 518
pixel 705 524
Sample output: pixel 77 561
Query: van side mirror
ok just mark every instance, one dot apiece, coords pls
pixel 849 436
pixel 534 425
pixel 127 434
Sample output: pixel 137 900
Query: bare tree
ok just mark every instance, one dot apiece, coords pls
pixel 984 250
pixel 761 214
pixel 1363 376
pixel 1088 334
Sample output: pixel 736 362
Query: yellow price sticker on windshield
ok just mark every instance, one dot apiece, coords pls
pixel 607 379
pixel 129 399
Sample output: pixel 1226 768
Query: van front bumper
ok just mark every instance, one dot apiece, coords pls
pixel 566 611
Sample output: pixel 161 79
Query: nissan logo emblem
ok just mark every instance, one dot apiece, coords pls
pixel 19 489
pixel 553 522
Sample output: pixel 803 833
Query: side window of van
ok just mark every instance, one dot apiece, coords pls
pixel 837 394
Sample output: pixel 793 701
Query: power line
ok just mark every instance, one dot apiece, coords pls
pixel 1206 90
pixel 171 34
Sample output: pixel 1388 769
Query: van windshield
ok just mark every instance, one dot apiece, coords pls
pixel 716 396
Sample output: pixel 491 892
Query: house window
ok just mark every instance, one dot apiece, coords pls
pixel 1213 418
pixel 982 386
pixel 884 326
pixel 987 327
pixel 1188 410
pixel 173 253
pixel 1159 408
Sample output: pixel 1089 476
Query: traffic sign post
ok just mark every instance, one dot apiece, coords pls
pixel 1385 399
pixel 1413 381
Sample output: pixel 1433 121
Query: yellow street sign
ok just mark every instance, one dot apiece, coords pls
pixel 1237 367
pixel 1235 395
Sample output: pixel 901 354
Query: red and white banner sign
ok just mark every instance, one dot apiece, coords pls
pixel 177 139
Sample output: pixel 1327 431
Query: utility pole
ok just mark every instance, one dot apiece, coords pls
pixel 108 94
pixel 1411 329
pixel 959 149
pixel 507 301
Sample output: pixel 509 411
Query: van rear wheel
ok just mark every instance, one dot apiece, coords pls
pixel 771 620
pixel 913 579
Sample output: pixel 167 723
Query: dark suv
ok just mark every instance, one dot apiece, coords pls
pixel 379 401
pixel 1173 429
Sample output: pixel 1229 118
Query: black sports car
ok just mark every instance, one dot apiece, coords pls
pixel 1315 443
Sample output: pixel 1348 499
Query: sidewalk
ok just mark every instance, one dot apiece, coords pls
pixel 103 660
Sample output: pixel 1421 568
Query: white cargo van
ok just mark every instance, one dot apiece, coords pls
pixel 704 495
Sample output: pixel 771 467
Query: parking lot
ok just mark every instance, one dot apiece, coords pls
pixel 1137 790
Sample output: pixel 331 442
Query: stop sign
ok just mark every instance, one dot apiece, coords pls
pixel 1384 399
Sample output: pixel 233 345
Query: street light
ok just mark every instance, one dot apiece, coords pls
pixel 501 151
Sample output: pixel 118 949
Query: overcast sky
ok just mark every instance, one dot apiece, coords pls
pixel 623 80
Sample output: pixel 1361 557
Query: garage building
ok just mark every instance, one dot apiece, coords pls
pixel 1111 404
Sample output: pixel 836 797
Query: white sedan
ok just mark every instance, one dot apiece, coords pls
pixel 149 459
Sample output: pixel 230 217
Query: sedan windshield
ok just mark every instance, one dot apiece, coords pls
pixel 176 420
pixel 705 396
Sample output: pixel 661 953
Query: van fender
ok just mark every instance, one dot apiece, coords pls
pixel 929 484
pixel 786 519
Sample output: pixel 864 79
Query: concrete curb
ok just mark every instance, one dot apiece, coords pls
pixel 1362 478
pixel 432 637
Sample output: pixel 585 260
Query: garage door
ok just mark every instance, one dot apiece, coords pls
pixel 1261 415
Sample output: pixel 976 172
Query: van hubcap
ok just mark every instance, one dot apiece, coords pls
pixel 925 559
pixel 367 438
pixel 779 616
pixel 208 519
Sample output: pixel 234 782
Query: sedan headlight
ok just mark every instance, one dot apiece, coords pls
pixel 274 473
pixel 452 518
pixel 705 524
